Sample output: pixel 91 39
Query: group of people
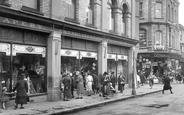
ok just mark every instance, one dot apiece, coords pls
pixel 21 90
pixel 89 82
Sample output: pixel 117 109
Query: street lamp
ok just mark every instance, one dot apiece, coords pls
pixel 133 75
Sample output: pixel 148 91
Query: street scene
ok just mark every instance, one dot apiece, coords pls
pixel 154 104
pixel 97 57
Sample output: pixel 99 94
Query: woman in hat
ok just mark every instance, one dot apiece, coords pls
pixel 21 96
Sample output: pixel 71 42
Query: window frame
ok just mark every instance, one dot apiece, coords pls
pixel 158 37
pixel 69 19
pixel 141 9
pixel 160 10
pixel 90 7
pixel 32 10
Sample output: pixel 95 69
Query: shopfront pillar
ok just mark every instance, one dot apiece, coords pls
pixel 130 66
pixel 53 66
pixel 102 57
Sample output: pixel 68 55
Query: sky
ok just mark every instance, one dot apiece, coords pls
pixel 181 12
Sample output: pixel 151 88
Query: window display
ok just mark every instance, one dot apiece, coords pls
pixel 33 66
pixel 4 71
pixel 69 64
pixel 89 65
pixel 111 66
pixel 122 66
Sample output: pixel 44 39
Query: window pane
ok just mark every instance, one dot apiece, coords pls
pixel 4 72
pixel 69 64
pixel 70 9
pixel 158 39
pixel 31 3
pixel 34 71
pixel 158 10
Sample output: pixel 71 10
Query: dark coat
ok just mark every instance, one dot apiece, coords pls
pixel 67 86
pixel 166 82
pixel 22 88
pixel 113 80
pixel 121 82
pixel 142 77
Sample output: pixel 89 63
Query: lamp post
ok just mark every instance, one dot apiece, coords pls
pixel 133 75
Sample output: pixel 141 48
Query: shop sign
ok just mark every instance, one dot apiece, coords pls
pixel 81 35
pixel 122 57
pixel 23 23
pixel 112 56
pixel 70 53
pixel 5 48
pixel 28 49
pixel 160 55
pixel 88 54
pixel 158 47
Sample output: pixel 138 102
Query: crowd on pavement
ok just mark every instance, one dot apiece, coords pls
pixel 89 83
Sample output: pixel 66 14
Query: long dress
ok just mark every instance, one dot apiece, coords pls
pixel 22 88
pixel 67 86
pixel 89 82
pixel 166 82
pixel 121 82
pixel 80 85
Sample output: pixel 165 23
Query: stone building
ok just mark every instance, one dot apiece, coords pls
pixel 159 36
pixel 52 37
pixel 181 38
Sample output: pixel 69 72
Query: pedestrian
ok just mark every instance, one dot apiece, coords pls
pixel 72 84
pixel 4 97
pixel 67 87
pixel 121 82
pixel 22 88
pixel 138 81
pixel 107 85
pixel 95 83
pixel 89 82
pixel 80 85
pixel 113 80
pixel 142 77
pixel 166 82
pixel 179 78
pixel 150 78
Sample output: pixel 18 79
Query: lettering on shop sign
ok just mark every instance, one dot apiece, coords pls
pixel 22 23
pixel 160 55
pixel 81 35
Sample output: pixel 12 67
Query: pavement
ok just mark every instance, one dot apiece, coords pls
pixel 66 107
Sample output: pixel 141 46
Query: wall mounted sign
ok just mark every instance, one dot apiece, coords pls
pixel 112 56
pixel 27 49
pixel 70 53
pixel 122 57
pixel 5 48
pixel 88 54
pixel 23 24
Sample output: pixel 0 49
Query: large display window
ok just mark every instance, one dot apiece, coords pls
pixel 122 65
pixel 15 59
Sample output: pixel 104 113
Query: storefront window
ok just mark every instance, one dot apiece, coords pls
pixel 88 65
pixel 34 67
pixel 122 66
pixel 4 72
pixel 69 64
pixel 111 66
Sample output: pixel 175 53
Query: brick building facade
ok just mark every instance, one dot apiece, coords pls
pixel 52 37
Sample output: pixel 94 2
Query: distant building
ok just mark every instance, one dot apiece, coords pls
pixel 159 36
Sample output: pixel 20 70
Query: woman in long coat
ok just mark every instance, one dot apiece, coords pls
pixel 22 88
pixel 121 82
pixel 89 82
pixel 167 85
pixel 67 87
pixel 80 85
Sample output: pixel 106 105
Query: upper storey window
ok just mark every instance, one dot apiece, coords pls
pixel 112 15
pixel 90 13
pixel 158 10
pixel 71 9
pixel 141 9
pixel 34 4
pixel 158 38
pixel 5 2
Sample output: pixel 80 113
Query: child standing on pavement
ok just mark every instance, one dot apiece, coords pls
pixel 4 97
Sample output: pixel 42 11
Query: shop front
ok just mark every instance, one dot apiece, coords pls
pixel 158 63
pixel 117 60
pixel 79 55
pixel 18 48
